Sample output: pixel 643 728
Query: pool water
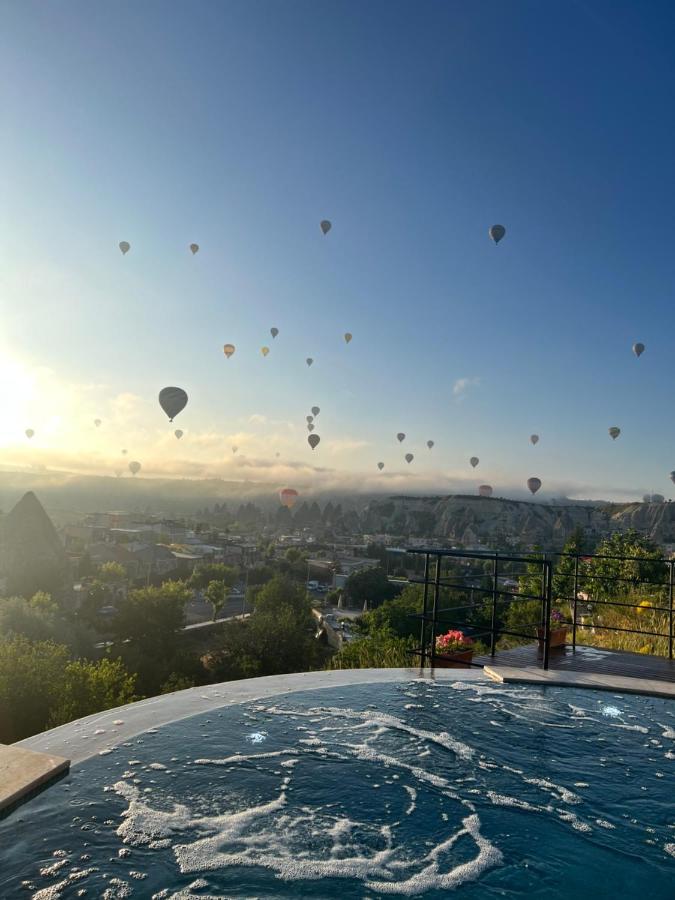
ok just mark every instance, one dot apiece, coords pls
pixel 367 791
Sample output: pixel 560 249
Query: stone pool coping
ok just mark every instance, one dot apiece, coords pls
pixel 23 773
pixel 84 738
pixel 598 682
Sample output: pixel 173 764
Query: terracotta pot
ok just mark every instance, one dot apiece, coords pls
pixel 460 659
pixel 558 636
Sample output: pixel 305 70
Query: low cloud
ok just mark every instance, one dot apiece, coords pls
pixel 461 386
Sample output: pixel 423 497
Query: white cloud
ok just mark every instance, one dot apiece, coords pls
pixel 257 419
pixel 460 386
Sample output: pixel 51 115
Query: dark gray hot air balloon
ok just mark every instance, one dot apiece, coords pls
pixel 172 400
pixel 400 436
pixel 310 419
pixel 380 466
pixel 310 426
pixel 672 476
pixel 194 248
pixel 326 226
pixel 313 440
pixel 348 337
pixel 638 349
pixel 430 444
pixel 485 490
pixel 315 411
pixel 134 467
pixel 178 433
pixel 497 232
pixel 534 439
pixel 274 332
pixel 124 246
pixel 474 461
pixel 234 449
pixel 409 458
pixel 309 360
pixel 534 484
pixel 614 432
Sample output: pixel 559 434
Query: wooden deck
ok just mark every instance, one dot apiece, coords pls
pixel 588 660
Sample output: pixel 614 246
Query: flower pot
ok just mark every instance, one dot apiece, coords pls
pixel 459 659
pixel 558 636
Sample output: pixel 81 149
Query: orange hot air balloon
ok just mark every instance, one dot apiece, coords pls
pixel 288 497
pixel 264 350
pixel 228 350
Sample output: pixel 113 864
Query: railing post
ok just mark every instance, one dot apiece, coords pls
pixel 493 620
pixel 425 609
pixel 437 588
pixel 670 613
pixel 576 587
pixel 546 579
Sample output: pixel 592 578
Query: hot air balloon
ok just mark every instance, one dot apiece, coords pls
pixel 653 498
pixel 534 484
pixel 313 440
pixel 497 232
pixel 264 350
pixel 409 458
pixel 614 432
pixel 638 349
pixel 485 490
pixel 380 466
pixel 118 472
pixel 315 411
pixel 348 337
pixel 534 439
pixel 277 454
pixel 401 437
pixel 326 226
pixel 134 467
pixel 124 246
pixel 178 433
pixel 228 350
pixel 172 400
pixel 124 452
pixel 474 461
pixel 288 496
pixel 97 423
pixel 672 476
pixel 234 449
pixel 430 444
pixel 309 360
pixel 29 433
pixel 310 427
pixel 310 419
pixel 274 332
pixel 194 248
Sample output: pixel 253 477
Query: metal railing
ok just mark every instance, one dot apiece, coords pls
pixel 588 583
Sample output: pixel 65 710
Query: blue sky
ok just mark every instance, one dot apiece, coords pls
pixel 412 127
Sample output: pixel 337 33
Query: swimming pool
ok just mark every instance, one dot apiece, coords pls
pixel 366 791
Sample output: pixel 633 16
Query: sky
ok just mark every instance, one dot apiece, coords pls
pixel 412 127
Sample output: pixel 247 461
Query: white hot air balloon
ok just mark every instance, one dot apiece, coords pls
pixel 497 232
pixel 134 467
pixel 313 441
pixel 194 248
pixel 533 485
pixel 125 247
pixel 534 439
pixel 614 432
pixel 172 400
pixel 178 433
pixel 409 458
pixel 325 226
pixel 380 466
pixel 474 461
pixel 638 349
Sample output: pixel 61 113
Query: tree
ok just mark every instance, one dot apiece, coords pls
pixel 379 649
pixel 397 615
pixel 370 587
pixel 90 687
pixel 644 568
pixel 151 616
pixel 208 572
pixel 41 619
pixel 216 593
pixel 110 572
pixel 563 581
pixel 98 595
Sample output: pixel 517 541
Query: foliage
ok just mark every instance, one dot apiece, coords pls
pixel 40 686
pixel 370 588
pixel 562 585
pixel 41 619
pixel 204 574
pixel 216 593
pixel 381 648
pixel 111 572
pixel 602 571
pixel 397 615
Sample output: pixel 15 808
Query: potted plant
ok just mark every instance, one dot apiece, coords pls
pixel 453 650
pixel 557 630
